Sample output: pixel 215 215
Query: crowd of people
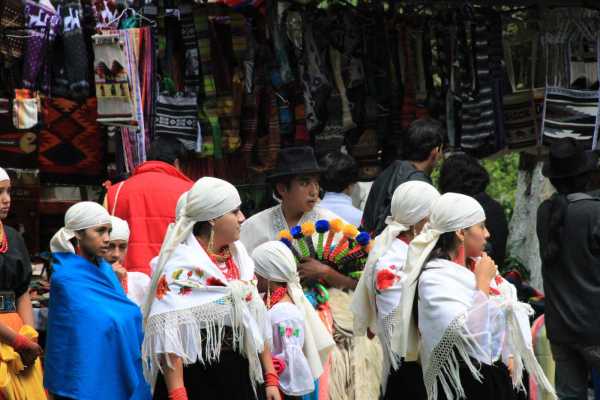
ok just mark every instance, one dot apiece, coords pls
pixel 168 292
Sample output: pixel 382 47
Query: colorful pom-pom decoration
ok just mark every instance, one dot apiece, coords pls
pixel 297 232
pixel 322 226
pixel 350 231
pixel 285 235
pixel 308 228
pixel 336 225
pixel 286 241
pixel 363 238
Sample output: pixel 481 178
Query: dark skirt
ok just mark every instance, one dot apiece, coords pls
pixel 495 384
pixel 405 383
pixel 226 379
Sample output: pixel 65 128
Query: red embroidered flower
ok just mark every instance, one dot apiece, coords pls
pixel 189 274
pixel 498 279
pixel 162 288
pixel 385 279
pixel 249 297
pixel 212 281
pixel 185 291
pixel 494 291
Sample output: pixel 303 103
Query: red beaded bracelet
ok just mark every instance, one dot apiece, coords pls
pixel 178 394
pixel 271 379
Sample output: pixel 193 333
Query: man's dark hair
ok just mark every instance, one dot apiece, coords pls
pixel 166 149
pixel 461 173
pixel 423 135
pixel 285 180
pixel 339 171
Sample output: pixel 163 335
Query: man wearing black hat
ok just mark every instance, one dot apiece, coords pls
pixel 568 228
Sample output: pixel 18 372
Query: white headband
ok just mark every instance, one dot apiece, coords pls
pixel 120 229
pixel 4 175
pixel 83 215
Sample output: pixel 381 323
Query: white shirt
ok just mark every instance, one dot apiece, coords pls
pixel 341 204
pixel 288 339
pixel 389 271
pixel 267 224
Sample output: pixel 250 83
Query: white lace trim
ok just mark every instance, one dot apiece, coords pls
pixel 444 362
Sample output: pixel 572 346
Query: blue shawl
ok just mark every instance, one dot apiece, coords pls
pixel 93 347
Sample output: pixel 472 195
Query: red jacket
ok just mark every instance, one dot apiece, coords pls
pixel 147 201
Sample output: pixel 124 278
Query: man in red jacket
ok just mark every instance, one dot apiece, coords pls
pixel 147 201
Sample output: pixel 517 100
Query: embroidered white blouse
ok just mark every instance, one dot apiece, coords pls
pixel 288 339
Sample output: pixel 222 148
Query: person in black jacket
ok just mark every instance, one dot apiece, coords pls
pixel 568 229
pixel 462 173
pixel 422 149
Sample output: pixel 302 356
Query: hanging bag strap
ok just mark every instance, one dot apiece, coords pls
pixel 114 207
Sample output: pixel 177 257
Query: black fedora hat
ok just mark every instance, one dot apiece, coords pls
pixel 568 158
pixel 293 161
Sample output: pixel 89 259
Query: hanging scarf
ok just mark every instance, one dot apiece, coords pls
pixel 190 299
pixel 83 215
pixel 275 262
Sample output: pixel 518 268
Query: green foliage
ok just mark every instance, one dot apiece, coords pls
pixel 503 180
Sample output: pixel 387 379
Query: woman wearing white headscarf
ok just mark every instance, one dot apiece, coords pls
pixel 206 329
pixel 92 325
pixel 472 327
pixel 135 284
pixel 379 290
pixel 300 338
pixel 18 345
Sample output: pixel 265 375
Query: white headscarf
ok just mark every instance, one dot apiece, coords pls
pixel 181 203
pixel 274 261
pixel 411 204
pixel 120 229
pixel 449 213
pixel 83 215
pixel 4 175
pixel 208 199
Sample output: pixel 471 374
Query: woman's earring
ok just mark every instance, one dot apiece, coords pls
pixel 268 294
pixel 211 241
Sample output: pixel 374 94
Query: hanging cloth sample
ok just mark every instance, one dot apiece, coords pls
pixel 113 86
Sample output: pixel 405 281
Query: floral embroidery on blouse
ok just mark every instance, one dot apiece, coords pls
pixel 162 288
pixel 288 331
pixel 386 278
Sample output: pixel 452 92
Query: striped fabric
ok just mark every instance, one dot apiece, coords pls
pixel 177 117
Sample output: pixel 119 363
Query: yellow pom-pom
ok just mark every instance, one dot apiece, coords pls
pixel 350 231
pixel 336 225
pixel 285 235
pixel 308 228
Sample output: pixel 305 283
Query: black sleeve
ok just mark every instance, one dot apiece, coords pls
pixel 17 268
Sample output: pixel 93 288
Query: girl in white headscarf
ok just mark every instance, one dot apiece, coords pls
pixel 300 339
pixel 207 330
pixel 135 284
pixel 379 290
pixel 92 325
pixel 471 325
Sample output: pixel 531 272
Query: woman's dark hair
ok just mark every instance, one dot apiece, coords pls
pixel 167 150
pixel 550 251
pixel 423 135
pixel 339 171
pixel 446 244
pixel 202 228
pixel 463 174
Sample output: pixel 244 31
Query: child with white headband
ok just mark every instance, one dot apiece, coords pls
pixel 300 339
pixel 135 284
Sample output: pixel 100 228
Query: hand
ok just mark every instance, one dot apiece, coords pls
pixel 311 269
pixel 485 271
pixel 27 349
pixel 273 393
pixel 119 270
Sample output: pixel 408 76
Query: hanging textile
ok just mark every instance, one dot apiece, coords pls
pixel 520 120
pixel 18 148
pixel 113 85
pixel 12 24
pixel 177 116
pixel 44 24
pixel 75 49
pixel 71 141
pixel 571 113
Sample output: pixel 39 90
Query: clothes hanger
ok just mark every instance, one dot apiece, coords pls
pixel 134 14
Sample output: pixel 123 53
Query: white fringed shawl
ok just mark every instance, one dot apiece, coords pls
pixel 459 323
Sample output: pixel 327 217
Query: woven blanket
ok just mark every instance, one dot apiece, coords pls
pixel 71 142
pixel 18 149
